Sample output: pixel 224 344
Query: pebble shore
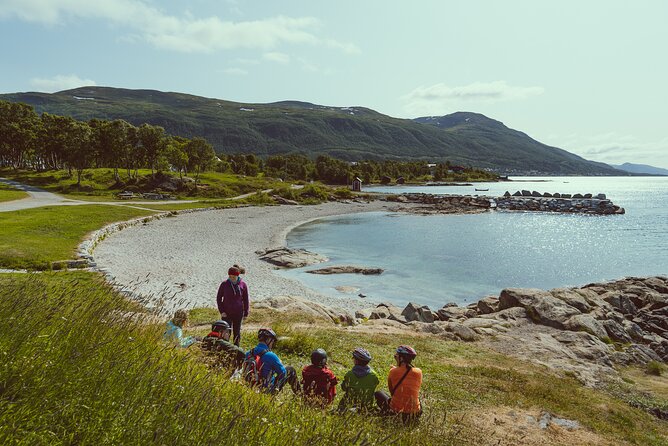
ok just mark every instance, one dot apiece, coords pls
pixel 179 262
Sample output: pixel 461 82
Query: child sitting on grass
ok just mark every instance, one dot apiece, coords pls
pixel 319 382
pixel 174 331
pixel 359 384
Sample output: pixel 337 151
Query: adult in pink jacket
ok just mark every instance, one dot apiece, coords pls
pixel 233 302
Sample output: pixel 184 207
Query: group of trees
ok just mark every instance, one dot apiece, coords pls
pixel 31 141
pixel 28 140
pixel 333 171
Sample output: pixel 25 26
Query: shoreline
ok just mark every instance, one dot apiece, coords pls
pixel 180 262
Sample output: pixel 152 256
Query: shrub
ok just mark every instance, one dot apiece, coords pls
pixel 655 368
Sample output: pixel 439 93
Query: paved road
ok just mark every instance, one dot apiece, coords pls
pixel 39 197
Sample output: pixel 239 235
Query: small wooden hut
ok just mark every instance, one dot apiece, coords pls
pixel 357 184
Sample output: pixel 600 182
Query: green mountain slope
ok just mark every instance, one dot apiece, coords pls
pixel 349 133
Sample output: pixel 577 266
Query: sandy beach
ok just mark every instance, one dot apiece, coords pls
pixel 183 259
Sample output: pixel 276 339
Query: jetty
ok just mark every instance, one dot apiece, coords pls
pixel 527 201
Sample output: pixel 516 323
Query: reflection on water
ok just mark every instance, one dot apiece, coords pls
pixel 460 258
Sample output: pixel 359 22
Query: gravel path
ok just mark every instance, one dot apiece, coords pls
pixel 182 260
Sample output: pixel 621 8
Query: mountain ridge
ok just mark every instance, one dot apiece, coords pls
pixel 349 133
pixel 641 169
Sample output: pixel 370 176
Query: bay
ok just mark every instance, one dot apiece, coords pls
pixel 437 259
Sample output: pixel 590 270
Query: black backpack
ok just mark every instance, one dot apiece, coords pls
pixel 250 369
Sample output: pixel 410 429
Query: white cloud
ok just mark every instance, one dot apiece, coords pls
pixel 185 34
pixel 276 57
pixel 437 98
pixel 615 148
pixel 60 82
pixel 235 71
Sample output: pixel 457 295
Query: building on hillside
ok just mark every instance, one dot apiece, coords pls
pixel 401 180
pixel 357 184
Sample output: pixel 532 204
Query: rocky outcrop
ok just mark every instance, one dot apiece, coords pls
pixel 443 204
pixel 347 269
pixel 294 304
pixel 290 258
pixel 583 331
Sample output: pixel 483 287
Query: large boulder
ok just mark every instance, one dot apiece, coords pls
pixel 295 304
pixel 388 311
pixel 415 312
pixel 572 298
pixel 454 312
pixel 541 306
pixel 290 258
pixel 616 331
pixel 463 332
pixel 487 305
pixel 586 323
pixel 347 269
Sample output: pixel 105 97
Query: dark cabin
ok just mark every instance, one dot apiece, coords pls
pixel 357 185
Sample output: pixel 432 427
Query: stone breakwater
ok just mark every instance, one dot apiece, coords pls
pixel 566 203
pixel 519 201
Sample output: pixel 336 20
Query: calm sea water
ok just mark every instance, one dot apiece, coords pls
pixel 460 258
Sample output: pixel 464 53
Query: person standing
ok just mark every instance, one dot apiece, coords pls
pixel 233 301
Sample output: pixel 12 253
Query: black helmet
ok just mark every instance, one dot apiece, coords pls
pixel 319 357
pixel 264 333
pixel 220 326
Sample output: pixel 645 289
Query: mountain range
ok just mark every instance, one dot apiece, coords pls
pixel 348 133
pixel 642 169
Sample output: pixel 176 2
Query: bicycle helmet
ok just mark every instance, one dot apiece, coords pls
pixel 406 352
pixel 264 333
pixel 362 354
pixel 319 357
pixel 220 326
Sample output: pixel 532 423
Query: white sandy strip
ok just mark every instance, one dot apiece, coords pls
pixel 184 259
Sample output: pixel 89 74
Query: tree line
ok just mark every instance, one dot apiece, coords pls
pixel 48 142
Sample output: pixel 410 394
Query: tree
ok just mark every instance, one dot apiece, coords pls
pixel 19 127
pixel 52 140
pixel 176 154
pixel 331 170
pixel 80 153
pixel 200 156
pixel 153 144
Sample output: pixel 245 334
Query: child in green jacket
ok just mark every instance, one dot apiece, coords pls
pixel 359 384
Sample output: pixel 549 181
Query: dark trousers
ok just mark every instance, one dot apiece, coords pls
pixel 383 401
pixel 290 378
pixel 235 322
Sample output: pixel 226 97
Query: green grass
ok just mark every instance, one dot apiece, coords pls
pixel 77 369
pixel 8 193
pixel 32 238
pixel 100 185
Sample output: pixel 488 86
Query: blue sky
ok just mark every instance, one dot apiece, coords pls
pixel 586 76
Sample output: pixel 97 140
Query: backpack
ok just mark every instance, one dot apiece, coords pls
pixel 250 369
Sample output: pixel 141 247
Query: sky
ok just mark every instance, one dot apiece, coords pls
pixel 586 76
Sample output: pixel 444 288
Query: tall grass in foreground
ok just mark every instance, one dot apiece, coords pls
pixel 77 369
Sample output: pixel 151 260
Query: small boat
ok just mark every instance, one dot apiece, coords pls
pixel 481 190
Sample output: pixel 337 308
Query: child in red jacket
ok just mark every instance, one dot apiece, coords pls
pixel 319 382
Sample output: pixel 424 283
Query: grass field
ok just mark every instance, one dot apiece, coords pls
pixel 32 238
pixel 100 185
pixel 8 193
pixel 77 369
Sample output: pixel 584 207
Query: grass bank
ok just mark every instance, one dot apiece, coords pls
pixel 8 193
pixel 77 369
pixel 32 238
pixel 100 184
